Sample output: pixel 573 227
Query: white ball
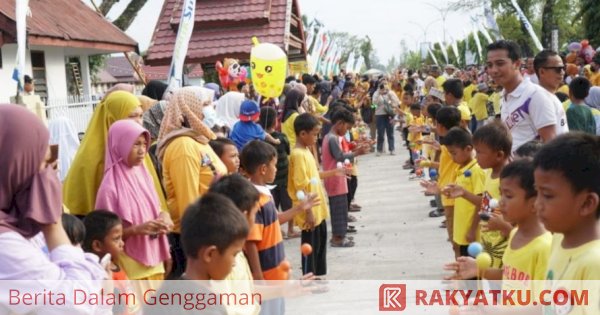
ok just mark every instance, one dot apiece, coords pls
pixel 300 195
pixel 494 204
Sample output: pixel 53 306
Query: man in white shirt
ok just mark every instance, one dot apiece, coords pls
pixel 524 105
pixel 550 70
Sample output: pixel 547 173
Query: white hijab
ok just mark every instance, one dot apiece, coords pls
pixel 62 132
pixel 228 107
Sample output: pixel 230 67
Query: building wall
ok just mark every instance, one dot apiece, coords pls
pixel 55 71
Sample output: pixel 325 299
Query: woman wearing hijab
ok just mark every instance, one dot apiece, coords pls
pixel 86 172
pixel 127 189
pixel 31 204
pixel 63 134
pixel 120 87
pixel 189 163
pixel 146 102
pixel 291 107
pixel 228 107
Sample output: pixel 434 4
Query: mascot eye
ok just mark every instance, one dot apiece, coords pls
pixel 253 65
pixel 268 69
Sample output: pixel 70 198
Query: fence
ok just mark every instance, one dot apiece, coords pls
pixel 78 109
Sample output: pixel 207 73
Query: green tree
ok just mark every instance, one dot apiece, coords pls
pixel 589 13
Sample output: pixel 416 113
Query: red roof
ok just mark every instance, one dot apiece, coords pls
pixel 224 28
pixel 118 69
pixel 66 23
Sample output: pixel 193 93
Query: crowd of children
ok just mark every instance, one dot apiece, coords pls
pixel 210 212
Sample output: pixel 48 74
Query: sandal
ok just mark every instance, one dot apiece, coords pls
pixel 344 243
pixel 351 229
pixel 294 234
pixel 351 218
pixel 436 213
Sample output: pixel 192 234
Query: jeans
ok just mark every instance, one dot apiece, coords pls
pixel 384 126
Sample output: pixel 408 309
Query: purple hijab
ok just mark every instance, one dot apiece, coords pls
pixel 129 192
pixel 29 197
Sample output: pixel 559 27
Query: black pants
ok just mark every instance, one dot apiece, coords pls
pixel 352 186
pixel 317 261
pixel 281 197
pixel 177 255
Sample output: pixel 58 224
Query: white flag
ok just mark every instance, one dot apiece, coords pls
pixel 443 49
pixel 491 20
pixel 527 25
pixel 478 43
pixel 350 62
pixel 454 46
pixel 22 7
pixel 432 55
pixel 485 33
pixel 359 64
pixel 184 33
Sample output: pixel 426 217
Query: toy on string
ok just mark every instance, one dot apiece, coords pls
pixel 268 64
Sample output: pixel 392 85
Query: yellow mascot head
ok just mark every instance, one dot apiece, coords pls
pixel 268 65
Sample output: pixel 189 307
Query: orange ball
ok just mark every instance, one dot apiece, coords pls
pixel 306 249
pixel 285 266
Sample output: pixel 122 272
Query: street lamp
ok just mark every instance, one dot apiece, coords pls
pixel 426 28
pixel 444 13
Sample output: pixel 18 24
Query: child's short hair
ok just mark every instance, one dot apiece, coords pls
pixel 305 122
pixel 580 88
pixel 528 149
pixel 576 156
pixel 218 145
pixel 211 220
pixel 237 188
pixel 415 107
pixel 98 224
pixel 523 171
pixel 342 115
pixel 432 110
pixel 562 97
pixel 448 116
pixel 74 228
pixel 268 117
pixel 496 136
pixel 459 137
pixel 256 153
pixel 454 87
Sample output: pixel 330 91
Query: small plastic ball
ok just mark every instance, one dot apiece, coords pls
pixel 433 173
pixel 346 161
pixel 306 249
pixel 474 249
pixel 425 163
pixel 419 172
pixel 314 181
pixel 339 165
pixel 494 204
pixel 483 260
pixel 285 266
pixel 467 173
pixel 300 195
pixel 411 145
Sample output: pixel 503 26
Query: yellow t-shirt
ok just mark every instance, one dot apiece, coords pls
pixel 415 136
pixel 468 91
pixel 478 105
pixel 137 271
pixel 493 242
pixel 447 174
pixel 567 268
pixel 464 211
pixel 239 281
pixel 319 108
pixel 188 170
pixel 526 264
pixel 440 81
pixel 302 170
pixel 287 128
pixel 595 79
pixel 495 99
pixel 465 112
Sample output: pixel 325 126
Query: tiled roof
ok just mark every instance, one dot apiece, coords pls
pixel 68 23
pixel 223 28
pixel 118 69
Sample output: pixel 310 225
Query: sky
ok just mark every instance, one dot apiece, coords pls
pixel 386 22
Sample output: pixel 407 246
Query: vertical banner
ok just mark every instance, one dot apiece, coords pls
pixel 454 46
pixel 316 51
pixel 359 64
pixel 485 33
pixel 478 44
pixel 350 63
pixel 310 37
pixel 527 25
pixel 491 20
pixel 444 51
pixel 336 61
pixel 184 33
pixel 22 6
pixel 432 55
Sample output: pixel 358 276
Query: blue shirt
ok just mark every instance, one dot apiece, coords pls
pixel 244 132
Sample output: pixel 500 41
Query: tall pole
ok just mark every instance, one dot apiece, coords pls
pixel 443 13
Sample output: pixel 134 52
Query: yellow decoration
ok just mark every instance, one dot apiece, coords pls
pixel 268 65
pixel 484 261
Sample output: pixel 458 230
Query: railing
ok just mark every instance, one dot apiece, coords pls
pixel 78 109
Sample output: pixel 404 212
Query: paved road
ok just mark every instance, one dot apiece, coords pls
pixel 396 239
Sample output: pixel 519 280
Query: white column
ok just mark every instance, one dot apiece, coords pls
pixel 86 79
